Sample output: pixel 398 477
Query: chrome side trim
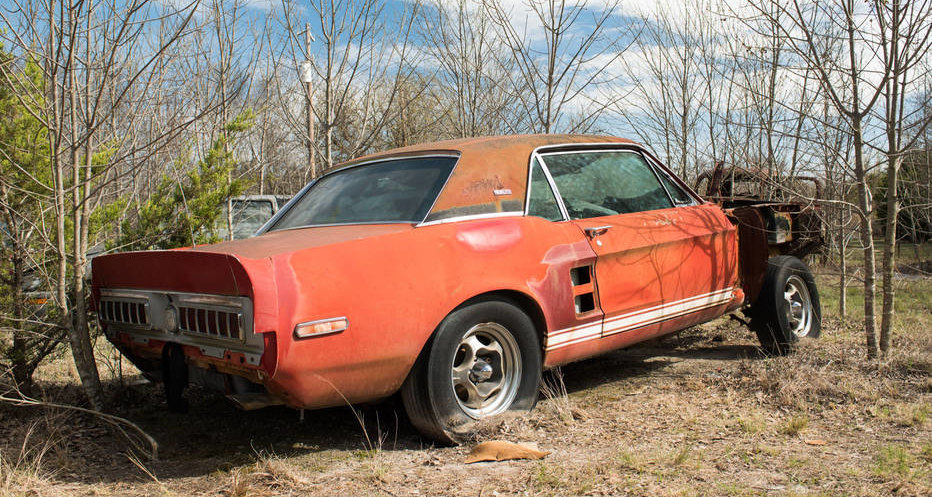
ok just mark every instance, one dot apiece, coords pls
pixel 119 293
pixel 473 217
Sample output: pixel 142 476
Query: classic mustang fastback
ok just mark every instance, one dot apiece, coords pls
pixel 455 272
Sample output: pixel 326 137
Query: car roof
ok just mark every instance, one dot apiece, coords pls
pixel 491 174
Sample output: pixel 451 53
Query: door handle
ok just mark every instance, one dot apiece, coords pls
pixel 596 231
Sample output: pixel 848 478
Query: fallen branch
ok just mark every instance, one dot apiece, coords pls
pixel 115 421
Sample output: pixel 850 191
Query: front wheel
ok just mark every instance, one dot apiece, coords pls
pixel 483 360
pixel 788 307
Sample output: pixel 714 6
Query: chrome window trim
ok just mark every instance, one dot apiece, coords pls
pixel 287 207
pixel 553 187
pixel 275 217
pixel 661 169
pixel 472 217
pixel 406 223
pixel 649 161
pixel 443 187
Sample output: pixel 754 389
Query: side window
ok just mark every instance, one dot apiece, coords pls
pixel 605 183
pixel 541 201
pixel 680 197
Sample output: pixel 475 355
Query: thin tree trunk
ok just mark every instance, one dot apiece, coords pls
pixel 78 334
pixel 867 242
pixel 843 263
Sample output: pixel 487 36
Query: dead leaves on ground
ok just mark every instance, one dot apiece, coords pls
pixel 500 450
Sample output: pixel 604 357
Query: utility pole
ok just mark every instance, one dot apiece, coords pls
pixel 307 71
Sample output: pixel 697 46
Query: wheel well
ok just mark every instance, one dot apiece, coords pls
pixel 521 301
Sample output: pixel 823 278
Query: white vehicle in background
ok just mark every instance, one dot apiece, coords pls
pixel 247 213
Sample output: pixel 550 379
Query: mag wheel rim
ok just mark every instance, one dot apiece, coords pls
pixel 486 370
pixel 798 306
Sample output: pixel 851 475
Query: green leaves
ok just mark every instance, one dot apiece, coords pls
pixel 185 211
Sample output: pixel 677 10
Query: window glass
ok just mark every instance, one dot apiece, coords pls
pixel 542 202
pixel 249 216
pixel 400 190
pixel 680 197
pixel 605 183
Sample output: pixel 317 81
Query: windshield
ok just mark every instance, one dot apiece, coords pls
pixel 400 190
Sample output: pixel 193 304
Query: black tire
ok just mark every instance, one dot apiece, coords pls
pixel 788 307
pixel 489 347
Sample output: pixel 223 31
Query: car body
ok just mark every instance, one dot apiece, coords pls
pixel 495 257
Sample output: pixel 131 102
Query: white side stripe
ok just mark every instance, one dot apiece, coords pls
pixel 591 330
pixel 636 319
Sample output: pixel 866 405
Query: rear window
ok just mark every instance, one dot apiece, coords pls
pixel 391 191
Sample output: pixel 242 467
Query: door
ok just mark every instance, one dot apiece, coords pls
pixel 658 251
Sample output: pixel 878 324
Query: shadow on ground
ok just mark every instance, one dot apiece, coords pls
pixel 216 436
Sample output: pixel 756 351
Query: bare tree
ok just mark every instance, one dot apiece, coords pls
pixel 470 79
pixel 908 42
pixel 561 51
pixel 359 58
pixel 98 66
pixel 811 30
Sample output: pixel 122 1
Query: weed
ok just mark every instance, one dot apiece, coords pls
pixel 893 461
pixel 919 415
pixel 925 453
pixel 239 483
pixel 682 455
pixel 554 390
pixel 27 471
pixel 627 460
pixel 751 424
pixel 546 476
pixel 795 425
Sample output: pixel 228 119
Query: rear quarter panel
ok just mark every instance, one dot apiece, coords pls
pixel 396 288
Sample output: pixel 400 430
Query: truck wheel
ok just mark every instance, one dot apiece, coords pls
pixel 788 306
pixel 483 360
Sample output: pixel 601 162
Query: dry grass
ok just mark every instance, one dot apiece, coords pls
pixel 556 398
pixel 702 414
pixel 25 472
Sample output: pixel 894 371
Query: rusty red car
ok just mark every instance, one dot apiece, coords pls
pixel 455 272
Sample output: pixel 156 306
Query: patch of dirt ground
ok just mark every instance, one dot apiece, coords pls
pixel 698 413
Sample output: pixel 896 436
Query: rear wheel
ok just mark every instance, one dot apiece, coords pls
pixel 788 307
pixel 483 360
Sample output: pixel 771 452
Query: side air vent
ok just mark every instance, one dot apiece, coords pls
pixel 584 303
pixel 583 289
pixel 580 275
